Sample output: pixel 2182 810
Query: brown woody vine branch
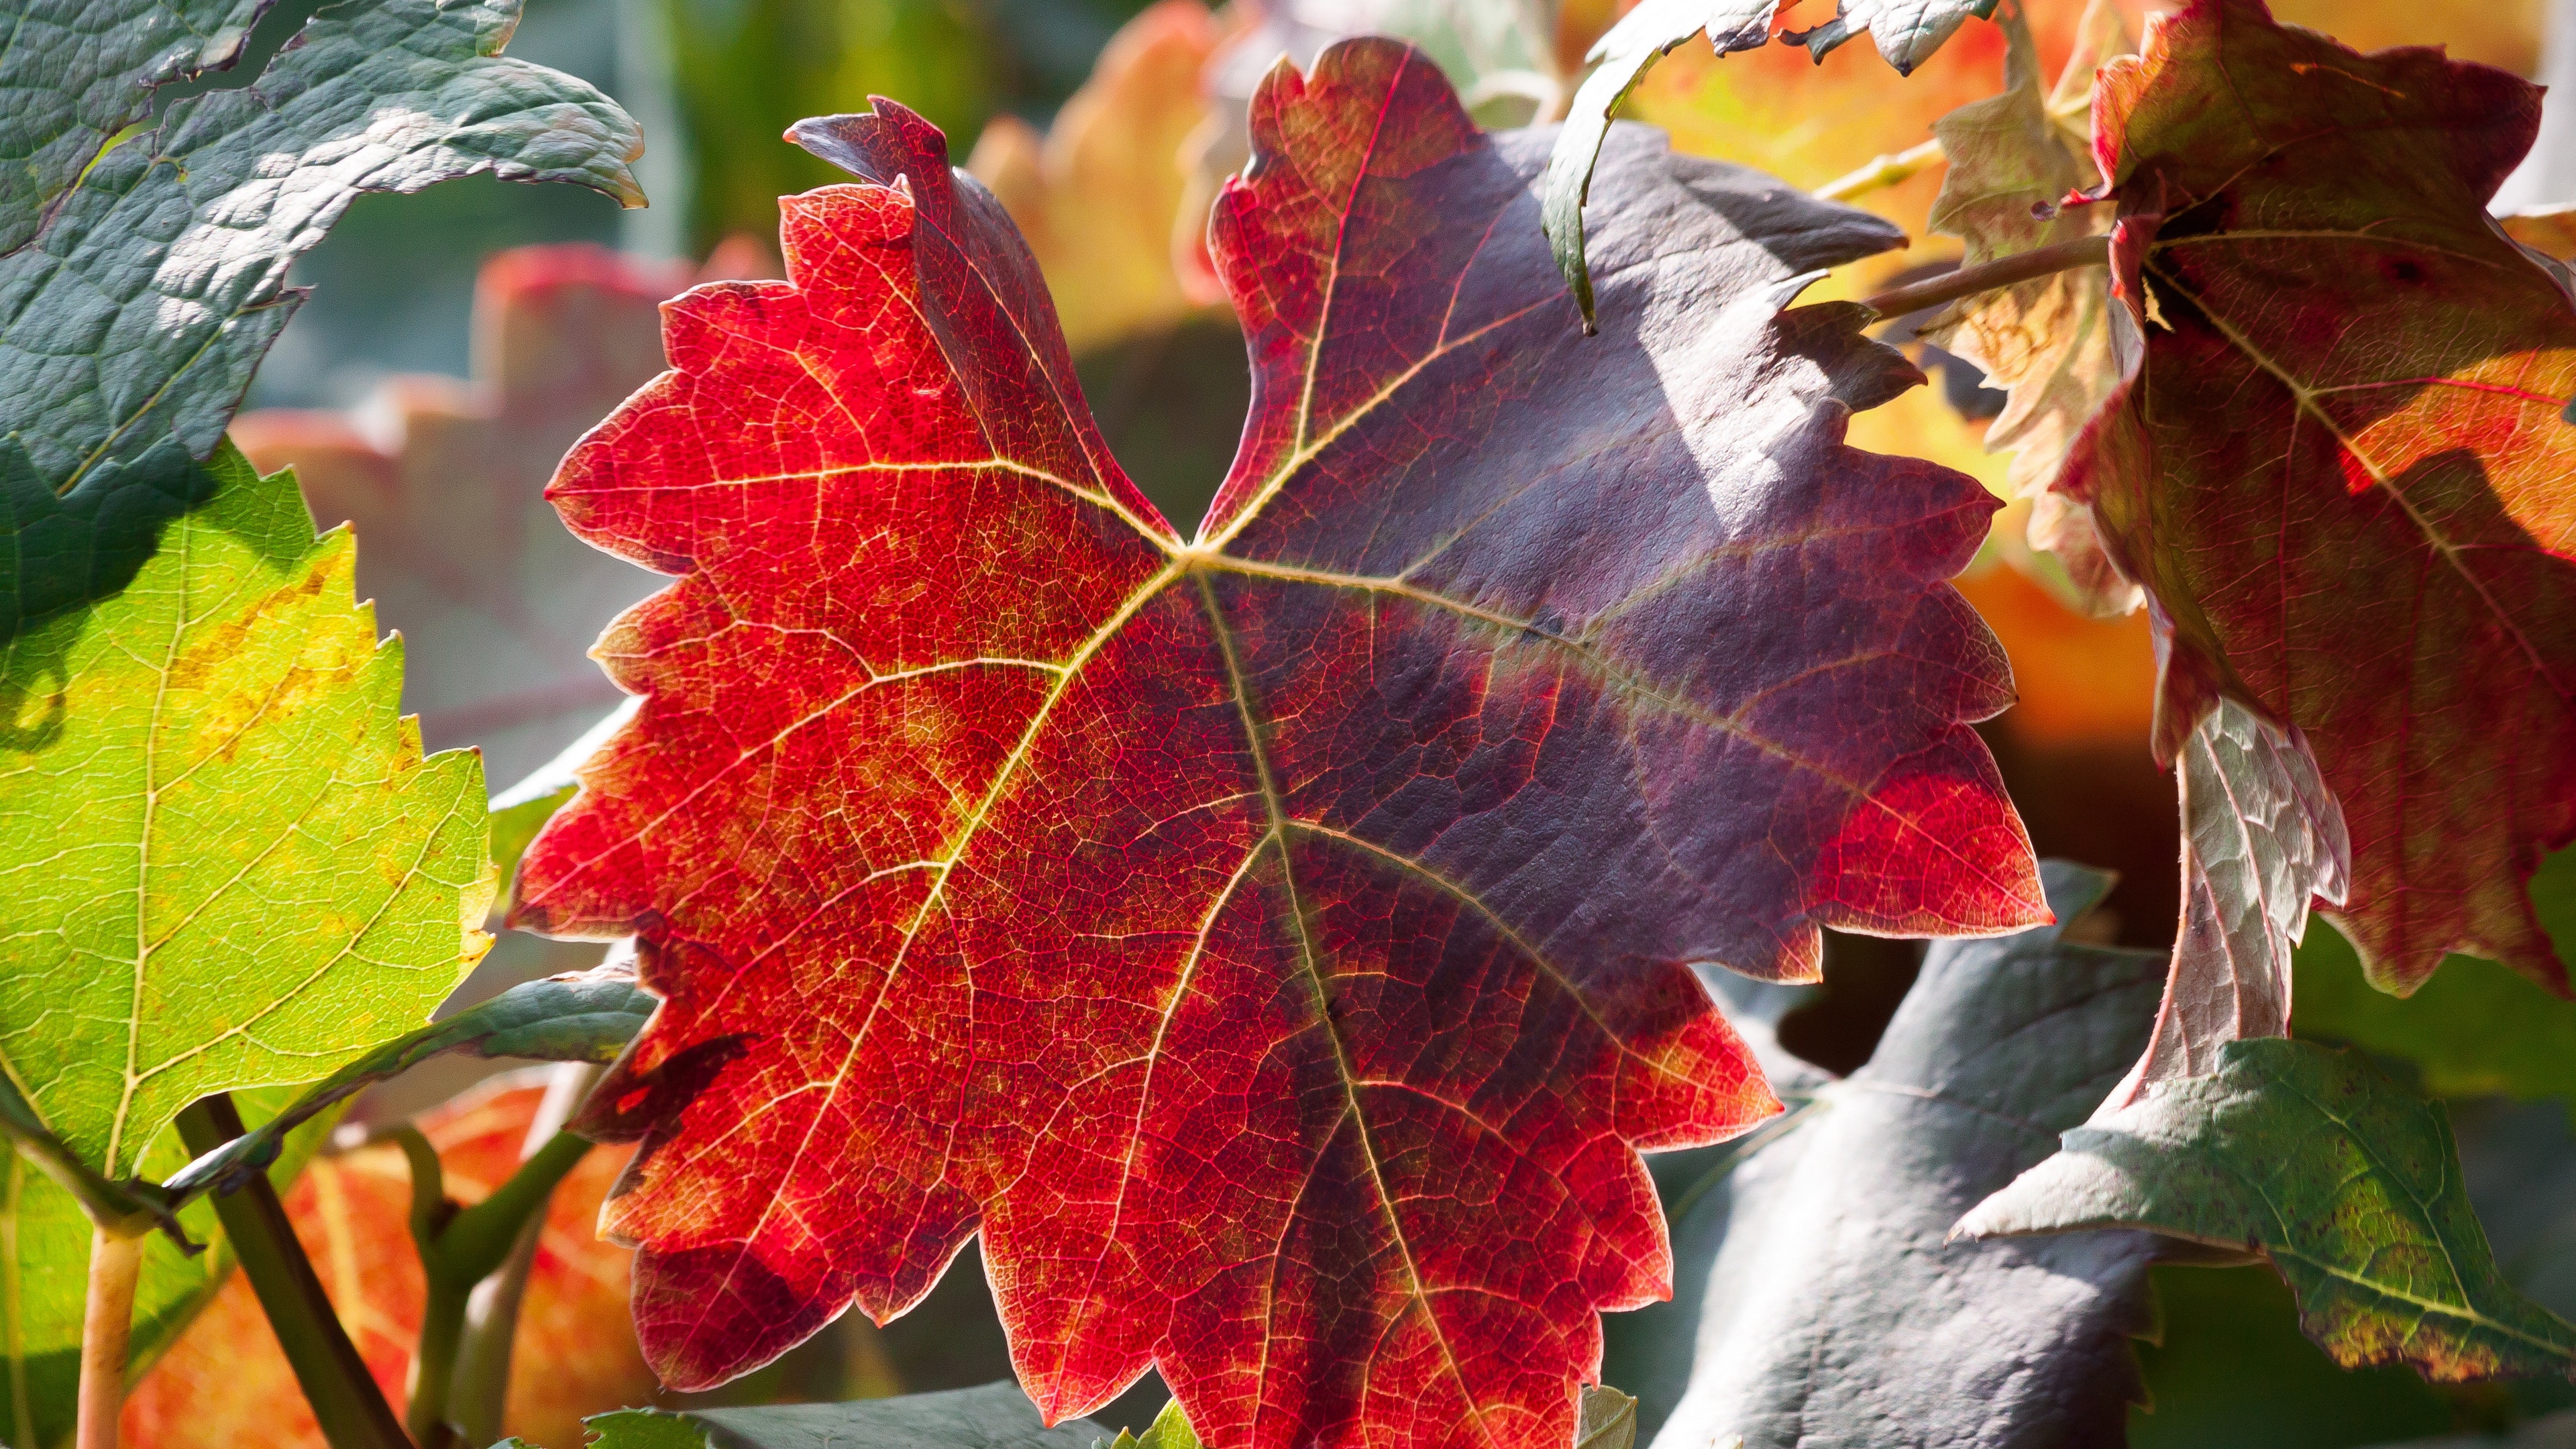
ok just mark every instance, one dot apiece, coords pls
pixel 2002 272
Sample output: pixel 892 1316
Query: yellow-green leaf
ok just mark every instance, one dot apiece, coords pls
pixel 226 862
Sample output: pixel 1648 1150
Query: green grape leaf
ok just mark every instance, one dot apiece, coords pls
pixel 1609 1421
pixel 2351 1184
pixel 151 286
pixel 996 1416
pixel 108 1203
pixel 227 863
pixel 1812 1263
pixel 1170 1430
pixel 78 71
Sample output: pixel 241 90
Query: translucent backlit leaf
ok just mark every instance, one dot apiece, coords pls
pixel 227 863
pixel 2013 161
pixel 2339 467
pixel 1277 944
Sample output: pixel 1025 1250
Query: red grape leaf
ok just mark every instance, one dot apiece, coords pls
pixel 2340 467
pixel 1277 944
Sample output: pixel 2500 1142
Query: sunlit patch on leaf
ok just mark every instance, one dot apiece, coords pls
pixel 2351 1185
pixel 214 792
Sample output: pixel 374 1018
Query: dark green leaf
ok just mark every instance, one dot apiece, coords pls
pixel 996 1416
pixel 76 72
pixel 141 304
pixel 1815 1275
pixel 2231 1370
pixel 64 549
pixel 2350 1183
pixel 587 1016
pixel 2557 1431
pixel 640 1429
pixel 1907 31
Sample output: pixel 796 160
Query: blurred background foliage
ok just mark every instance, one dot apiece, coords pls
pixel 1105 127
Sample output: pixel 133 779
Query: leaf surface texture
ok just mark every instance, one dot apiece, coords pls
pixel 144 297
pixel 2350 1183
pixel 1277 944
pixel 228 863
pixel 1829 1309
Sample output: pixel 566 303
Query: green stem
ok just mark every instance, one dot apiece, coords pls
pixel 433 1368
pixel 348 1406
pixel 107 1321
pixel 480 1392
pixel 458 1249
pixel 1883 171
pixel 477 1241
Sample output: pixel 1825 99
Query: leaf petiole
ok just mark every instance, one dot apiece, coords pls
pixel 1883 172
pixel 126 1209
pixel 586 1016
pixel 1993 276
pixel 107 1321
pixel 459 1248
